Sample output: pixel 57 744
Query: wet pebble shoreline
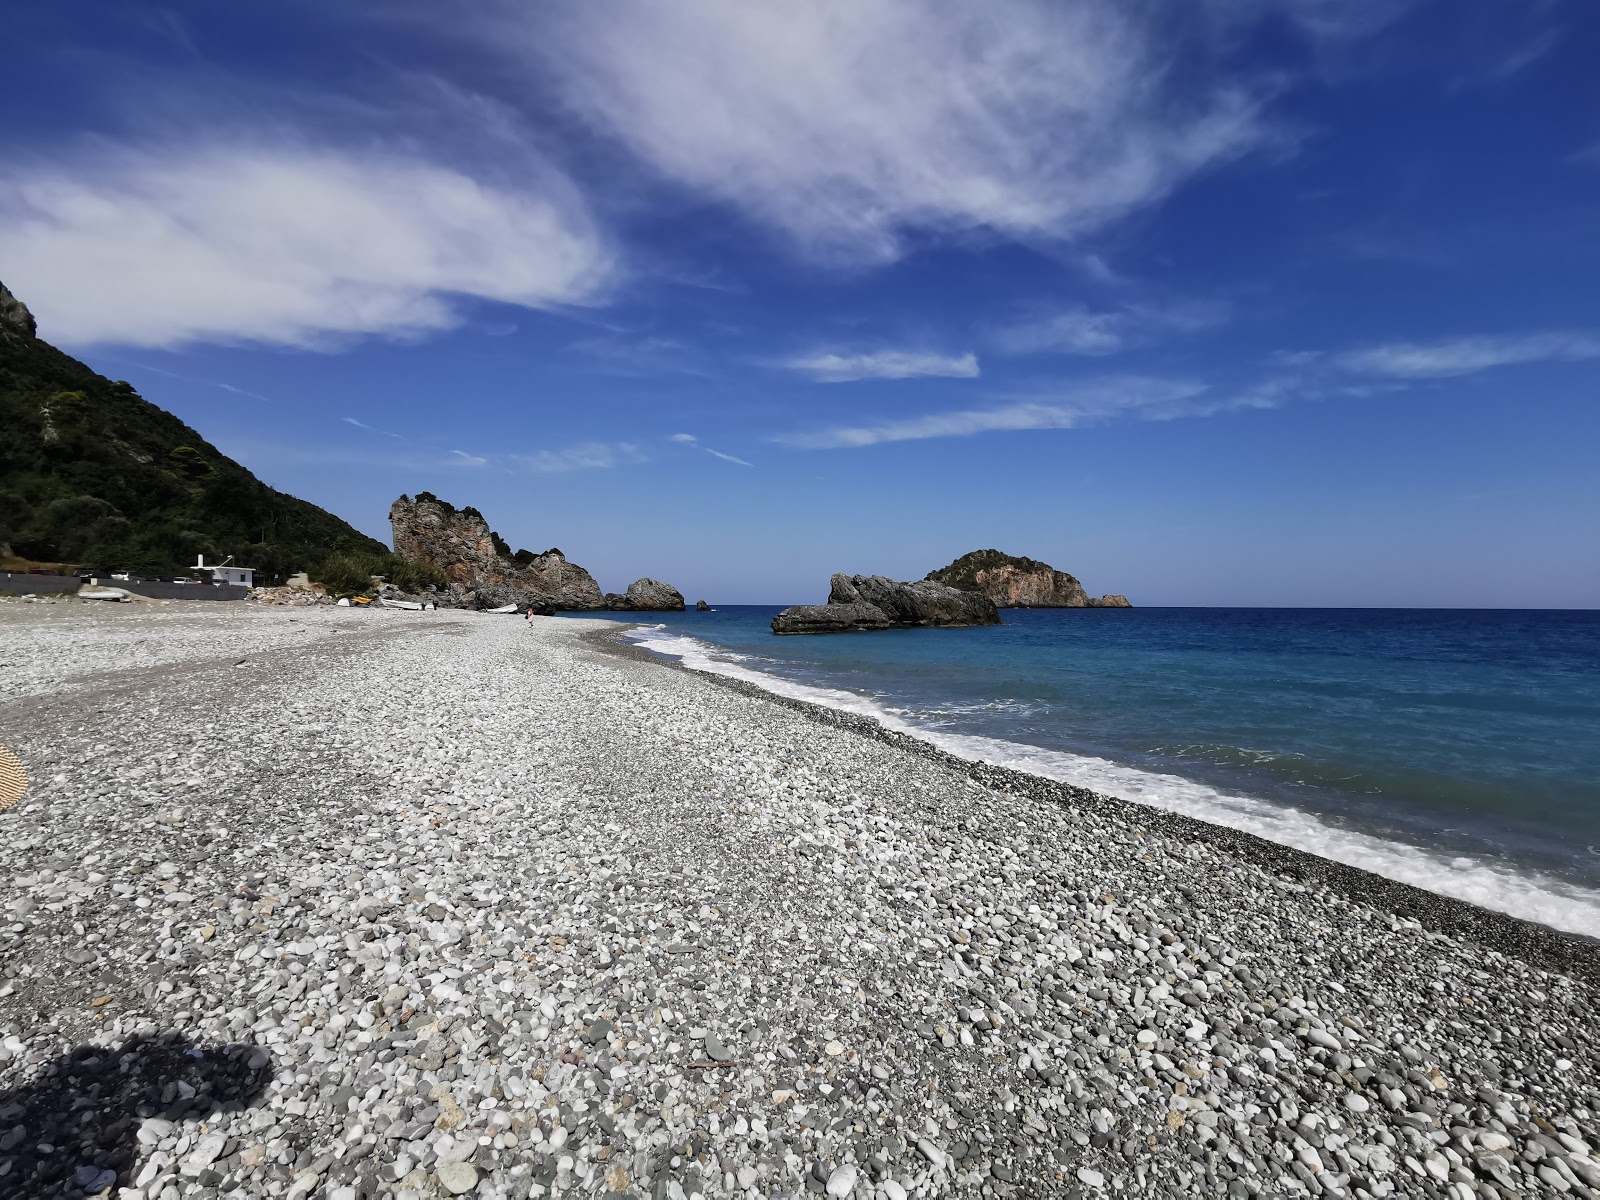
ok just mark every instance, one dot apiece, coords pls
pixel 474 909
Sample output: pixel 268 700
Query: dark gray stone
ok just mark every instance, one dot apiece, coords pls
pixel 863 602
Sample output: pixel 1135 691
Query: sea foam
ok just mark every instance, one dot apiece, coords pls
pixel 1530 896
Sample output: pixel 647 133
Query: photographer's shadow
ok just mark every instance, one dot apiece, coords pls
pixel 72 1130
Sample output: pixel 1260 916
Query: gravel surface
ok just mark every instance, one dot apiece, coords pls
pixel 433 904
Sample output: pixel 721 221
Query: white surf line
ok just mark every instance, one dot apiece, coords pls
pixel 1530 896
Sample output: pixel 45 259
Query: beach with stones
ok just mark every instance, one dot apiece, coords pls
pixel 329 903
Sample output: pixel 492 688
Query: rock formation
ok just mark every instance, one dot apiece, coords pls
pixel 701 606
pixel 14 314
pixel 864 602
pixel 481 571
pixel 647 595
pixel 1013 582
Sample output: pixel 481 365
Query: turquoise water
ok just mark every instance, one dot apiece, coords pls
pixel 1458 750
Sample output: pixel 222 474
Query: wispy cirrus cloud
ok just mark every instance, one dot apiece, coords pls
pixel 586 456
pixel 1064 408
pixel 1080 330
pixel 461 458
pixel 848 124
pixel 274 240
pixel 689 439
pixel 1293 377
pixel 829 366
pixel 369 428
pixel 640 356
pixel 1448 357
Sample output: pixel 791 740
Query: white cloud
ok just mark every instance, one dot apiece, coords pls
pixel 1150 398
pixel 1468 355
pixel 287 244
pixel 356 423
pixel 1083 331
pixel 832 367
pixel 848 123
pixel 463 459
pixel 582 457
pixel 1073 331
pixel 689 439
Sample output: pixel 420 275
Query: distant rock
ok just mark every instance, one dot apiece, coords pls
pixel 647 595
pixel 14 314
pixel 482 572
pixel 701 606
pixel 830 618
pixel 866 602
pixel 1013 582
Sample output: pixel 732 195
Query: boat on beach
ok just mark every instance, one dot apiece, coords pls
pixel 504 608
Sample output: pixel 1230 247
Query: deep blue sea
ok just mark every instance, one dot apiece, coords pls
pixel 1456 750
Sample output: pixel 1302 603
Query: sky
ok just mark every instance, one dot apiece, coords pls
pixel 1254 302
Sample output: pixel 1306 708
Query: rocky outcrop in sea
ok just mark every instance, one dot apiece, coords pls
pixel 1013 582
pixel 646 595
pixel 481 570
pixel 866 602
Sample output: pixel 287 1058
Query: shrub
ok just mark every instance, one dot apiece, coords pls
pixel 345 574
pixel 412 576
pixel 351 574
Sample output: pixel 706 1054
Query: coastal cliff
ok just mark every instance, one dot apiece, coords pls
pixel 1014 582
pixel 866 602
pixel 481 570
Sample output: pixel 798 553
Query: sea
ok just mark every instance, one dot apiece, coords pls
pixel 1455 750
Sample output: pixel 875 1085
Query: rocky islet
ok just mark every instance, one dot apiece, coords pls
pixel 1017 582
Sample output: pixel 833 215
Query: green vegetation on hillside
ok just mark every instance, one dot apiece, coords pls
pixel 91 474
pixel 349 574
pixel 963 573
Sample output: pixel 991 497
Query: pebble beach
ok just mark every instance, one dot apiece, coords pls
pixel 318 902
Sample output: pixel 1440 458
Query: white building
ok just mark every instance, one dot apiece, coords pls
pixel 224 573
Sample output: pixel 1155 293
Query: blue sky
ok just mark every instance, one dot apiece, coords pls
pixel 1228 302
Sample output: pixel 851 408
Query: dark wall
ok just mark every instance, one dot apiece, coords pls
pixel 22 583
pixel 183 591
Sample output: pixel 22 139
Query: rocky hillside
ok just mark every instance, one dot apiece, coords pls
pixel 866 602
pixel 482 572
pixel 1013 582
pixel 92 474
